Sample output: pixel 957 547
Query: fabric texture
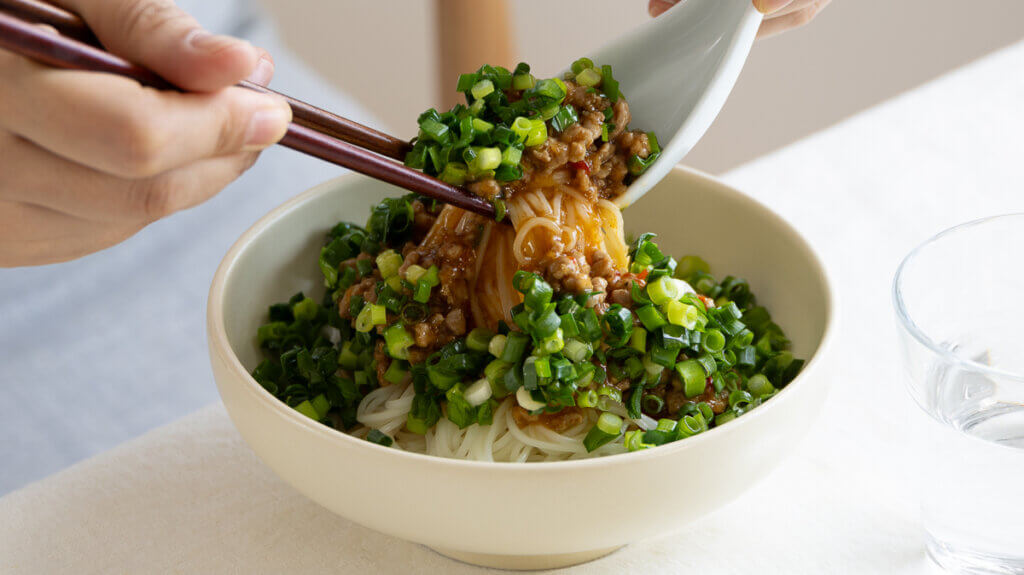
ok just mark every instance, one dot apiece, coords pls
pixel 99 350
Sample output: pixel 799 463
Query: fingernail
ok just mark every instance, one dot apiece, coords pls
pixel 659 7
pixel 263 72
pixel 771 6
pixel 206 42
pixel 267 126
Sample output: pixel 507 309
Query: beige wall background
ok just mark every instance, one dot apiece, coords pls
pixel 856 54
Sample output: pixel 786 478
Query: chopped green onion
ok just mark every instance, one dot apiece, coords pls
pixel 609 85
pixel 479 339
pixel 551 89
pixel 321 405
pixel 388 263
pixel 396 372
pixel 650 317
pixel 638 341
pixel 580 65
pixel 398 341
pixel 482 89
pixel 522 128
pixel 306 408
pixel 379 437
pixel 586 398
pixel 511 156
pixel 466 82
pixel 378 314
pixel 306 309
pixel 497 345
pixel 690 425
pixel 477 107
pixel 619 323
pixel 609 423
pixel 454 173
pixel 422 293
pixel 663 290
pixel 364 321
pixel 708 363
pixel 607 428
pixel 690 265
pixel 499 207
pixel 714 341
pixel 569 326
pixel 693 376
pixel 759 385
pixel 724 417
pixel 435 130
pixel 482 126
pixel 479 392
pixel 395 283
pixel 515 347
pixel 652 140
pixel 589 324
pixel 589 77
pixel 552 343
pixel 654 404
pixel 523 81
pixel 549 111
pixel 526 401
pixel 486 159
pixel 653 367
pixel 577 350
pixel 538 133
pixel 682 314
pixel 542 366
pixel 634 440
pixel 565 117
pixel 414 272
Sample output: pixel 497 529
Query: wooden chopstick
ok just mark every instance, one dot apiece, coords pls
pixel 23 38
pixel 72 25
pixel 67 23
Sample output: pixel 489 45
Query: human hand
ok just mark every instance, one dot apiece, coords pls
pixel 779 15
pixel 89 159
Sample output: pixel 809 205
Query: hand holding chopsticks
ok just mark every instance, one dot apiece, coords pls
pixel 314 132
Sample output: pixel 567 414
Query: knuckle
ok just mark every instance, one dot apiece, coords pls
pixel 141 19
pixel 156 200
pixel 230 128
pixel 138 143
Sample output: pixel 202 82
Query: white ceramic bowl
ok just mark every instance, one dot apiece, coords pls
pixel 536 515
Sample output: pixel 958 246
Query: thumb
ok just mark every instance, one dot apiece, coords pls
pixel 158 35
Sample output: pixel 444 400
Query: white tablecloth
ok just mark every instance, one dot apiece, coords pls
pixel 191 497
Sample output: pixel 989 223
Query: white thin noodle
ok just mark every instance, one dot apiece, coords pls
pixel 386 409
pixel 558 219
pixel 551 220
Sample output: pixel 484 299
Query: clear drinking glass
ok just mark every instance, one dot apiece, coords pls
pixel 959 300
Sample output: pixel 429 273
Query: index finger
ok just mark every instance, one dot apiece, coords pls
pixel 158 35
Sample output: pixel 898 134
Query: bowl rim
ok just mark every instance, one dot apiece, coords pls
pixel 218 340
pixel 906 319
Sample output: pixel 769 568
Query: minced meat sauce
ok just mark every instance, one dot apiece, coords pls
pixel 578 157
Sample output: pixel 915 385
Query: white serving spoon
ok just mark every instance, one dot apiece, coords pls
pixel 677 72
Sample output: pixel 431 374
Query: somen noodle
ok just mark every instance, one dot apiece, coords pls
pixel 542 335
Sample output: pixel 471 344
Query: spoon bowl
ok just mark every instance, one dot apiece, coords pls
pixel 678 71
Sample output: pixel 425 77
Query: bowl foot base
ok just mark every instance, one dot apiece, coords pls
pixel 525 562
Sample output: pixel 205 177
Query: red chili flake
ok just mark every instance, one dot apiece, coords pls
pixel 708 302
pixel 642 275
pixel 581 166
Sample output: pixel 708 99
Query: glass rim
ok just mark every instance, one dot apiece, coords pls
pixel 907 322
